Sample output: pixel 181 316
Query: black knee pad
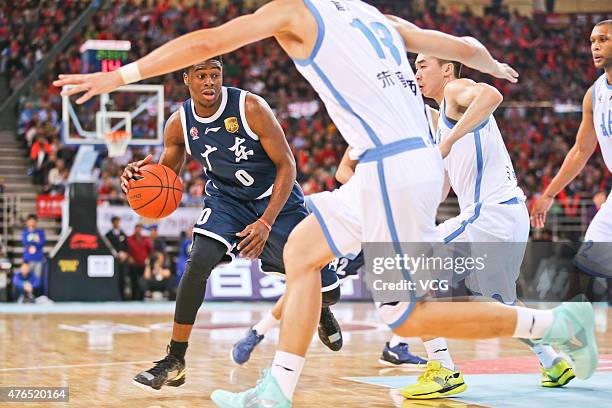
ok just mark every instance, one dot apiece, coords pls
pixel 330 297
pixel 206 253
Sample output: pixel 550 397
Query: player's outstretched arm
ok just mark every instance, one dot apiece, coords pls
pixel 586 142
pixel 172 156
pixel 271 19
pixel 346 168
pixel 263 123
pixel 477 100
pixel 466 50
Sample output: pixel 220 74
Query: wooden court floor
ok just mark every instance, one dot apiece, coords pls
pixel 95 350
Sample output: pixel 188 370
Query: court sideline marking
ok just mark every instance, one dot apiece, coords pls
pixel 202 360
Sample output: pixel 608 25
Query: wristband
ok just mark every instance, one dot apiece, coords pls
pixel 130 73
pixel 264 222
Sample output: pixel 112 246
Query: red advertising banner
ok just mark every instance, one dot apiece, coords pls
pixel 49 206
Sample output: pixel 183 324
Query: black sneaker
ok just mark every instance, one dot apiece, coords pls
pixel 330 333
pixel 168 371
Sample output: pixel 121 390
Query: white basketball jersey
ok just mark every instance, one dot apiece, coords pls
pixel 479 166
pixel 360 70
pixel 602 117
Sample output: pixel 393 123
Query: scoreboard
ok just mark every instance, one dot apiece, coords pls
pixel 104 55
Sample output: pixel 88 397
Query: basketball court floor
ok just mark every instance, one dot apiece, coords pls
pixel 96 349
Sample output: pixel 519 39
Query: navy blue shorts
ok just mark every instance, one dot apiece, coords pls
pixel 223 216
pixel 348 268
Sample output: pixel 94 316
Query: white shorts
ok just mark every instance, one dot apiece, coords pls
pixel 493 223
pixel 595 254
pixel 393 202
pixel 392 197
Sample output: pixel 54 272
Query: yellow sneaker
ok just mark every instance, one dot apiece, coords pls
pixel 558 375
pixel 436 382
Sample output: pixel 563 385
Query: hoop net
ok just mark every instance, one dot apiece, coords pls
pixel 117 142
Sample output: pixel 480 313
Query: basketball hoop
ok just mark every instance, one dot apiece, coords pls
pixel 117 142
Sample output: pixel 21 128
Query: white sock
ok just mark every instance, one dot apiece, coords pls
pixel 265 324
pixel 286 370
pixel 532 323
pixel 437 350
pixel 395 340
pixel 545 354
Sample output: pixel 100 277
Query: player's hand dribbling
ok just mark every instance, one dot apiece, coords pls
pixel 131 169
pixel 256 236
pixel 90 84
pixel 539 211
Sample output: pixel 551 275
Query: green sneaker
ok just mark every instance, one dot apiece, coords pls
pixel 559 374
pixel 573 332
pixel 266 394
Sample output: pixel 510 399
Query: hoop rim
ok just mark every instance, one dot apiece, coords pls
pixel 117 142
pixel 115 136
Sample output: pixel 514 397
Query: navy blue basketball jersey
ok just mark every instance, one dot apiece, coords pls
pixel 229 151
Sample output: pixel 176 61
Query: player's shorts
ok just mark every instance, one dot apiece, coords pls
pixel 392 197
pixel 505 222
pixel 347 268
pixel 224 216
pixel 595 254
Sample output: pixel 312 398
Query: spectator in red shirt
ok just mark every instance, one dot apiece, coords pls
pixel 327 156
pixel 38 155
pixel 139 250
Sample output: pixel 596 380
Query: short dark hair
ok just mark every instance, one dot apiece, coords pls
pixel 218 58
pixel 456 67
pixel 115 218
pixel 32 217
pixel 604 22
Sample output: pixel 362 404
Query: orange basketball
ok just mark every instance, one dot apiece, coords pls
pixel 156 192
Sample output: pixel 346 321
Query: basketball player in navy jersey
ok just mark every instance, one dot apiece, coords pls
pixel 252 202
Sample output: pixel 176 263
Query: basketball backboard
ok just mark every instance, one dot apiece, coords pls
pixel 132 111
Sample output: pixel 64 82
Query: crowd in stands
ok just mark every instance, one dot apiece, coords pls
pixel 145 267
pixel 144 262
pixel 553 60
